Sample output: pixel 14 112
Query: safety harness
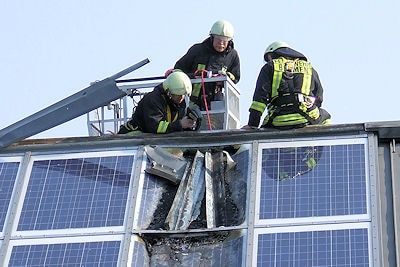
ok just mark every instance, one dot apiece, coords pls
pixel 291 106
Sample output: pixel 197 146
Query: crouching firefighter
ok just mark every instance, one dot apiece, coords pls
pixel 164 109
pixel 289 87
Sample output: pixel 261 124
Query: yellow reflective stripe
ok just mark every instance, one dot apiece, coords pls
pixel 196 89
pixel 278 71
pixel 302 66
pixel 289 119
pixel 275 83
pixel 259 106
pixel 162 126
pixel 197 86
pixel 169 115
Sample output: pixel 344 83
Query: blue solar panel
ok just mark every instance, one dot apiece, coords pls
pixel 76 193
pixel 313 181
pixel 73 254
pixel 8 175
pixel 347 247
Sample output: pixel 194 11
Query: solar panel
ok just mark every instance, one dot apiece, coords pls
pixel 103 253
pixel 341 247
pixel 310 181
pixel 76 193
pixel 8 175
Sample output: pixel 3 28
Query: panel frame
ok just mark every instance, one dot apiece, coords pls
pixel 18 234
pixel 13 159
pixel 61 240
pixel 317 219
pixel 313 228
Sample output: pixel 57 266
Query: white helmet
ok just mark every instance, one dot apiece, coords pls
pixel 178 83
pixel 222 28
pixel 275 46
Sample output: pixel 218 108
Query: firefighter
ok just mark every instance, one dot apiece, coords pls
pixel 289 88
pixel 216 54
pixel 163 109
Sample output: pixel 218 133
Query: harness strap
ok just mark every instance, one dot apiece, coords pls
pixel 288 101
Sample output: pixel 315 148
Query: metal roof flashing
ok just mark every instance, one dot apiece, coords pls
pixel 384 129
pixel 184 138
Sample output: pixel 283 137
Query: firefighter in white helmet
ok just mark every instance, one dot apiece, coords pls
pixel 289 88
pixel 216 54
pixel 163 110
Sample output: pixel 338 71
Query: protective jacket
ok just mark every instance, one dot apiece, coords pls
pixel 290 89
pixel 156 113
pixel 202 56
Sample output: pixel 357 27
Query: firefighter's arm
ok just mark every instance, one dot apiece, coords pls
pixel 318 91
pixel 155 115
pixel 234 70
pixel 260 97
pixel 185 63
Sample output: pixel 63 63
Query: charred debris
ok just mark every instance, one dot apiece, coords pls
pixel 195 202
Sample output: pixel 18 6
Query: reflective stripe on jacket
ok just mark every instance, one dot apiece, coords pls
pixel 285 107
pixel 156 114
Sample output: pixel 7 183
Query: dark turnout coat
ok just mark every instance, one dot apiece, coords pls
pixel 205 54
pixel 280 94
pixel 156 113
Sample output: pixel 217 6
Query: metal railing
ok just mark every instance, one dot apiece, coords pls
pixel 224 113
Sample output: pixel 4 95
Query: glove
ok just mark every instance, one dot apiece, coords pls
pixel 228 74
pixel 168 72
pixel 231 76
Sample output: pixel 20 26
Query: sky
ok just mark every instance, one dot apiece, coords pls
pixel 50 50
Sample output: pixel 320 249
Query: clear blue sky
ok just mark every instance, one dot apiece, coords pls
pixel 52 49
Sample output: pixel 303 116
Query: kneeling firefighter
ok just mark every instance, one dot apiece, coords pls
pixel 164 109
pixel 289 87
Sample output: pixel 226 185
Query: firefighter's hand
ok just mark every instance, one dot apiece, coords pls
pixel 231 76
pixel 187 123
pixel 168 72
pixel 227 73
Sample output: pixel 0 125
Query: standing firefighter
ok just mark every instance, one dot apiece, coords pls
pixel 289 87
pixel 163 109
pixel 216 54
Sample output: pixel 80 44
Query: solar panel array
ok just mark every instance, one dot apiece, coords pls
pixel 311 199
pixel 308 184
pixel 63 192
